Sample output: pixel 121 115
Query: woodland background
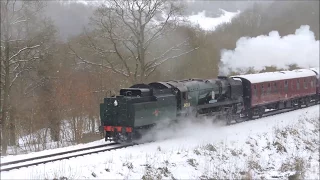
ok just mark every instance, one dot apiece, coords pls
pixel 52 82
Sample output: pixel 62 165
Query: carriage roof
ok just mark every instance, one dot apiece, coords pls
pixel 276 76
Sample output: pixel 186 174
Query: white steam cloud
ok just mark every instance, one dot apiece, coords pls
pixel 300 48
pixel 199 128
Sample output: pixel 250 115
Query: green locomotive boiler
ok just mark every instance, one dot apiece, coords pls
pixel 126 116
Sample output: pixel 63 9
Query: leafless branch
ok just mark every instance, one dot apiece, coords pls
pixel 152 63
pixel 96 64
pixel 23 60
pixel 23 49
pixel 13 40
pixel 17 75
pixel 155 65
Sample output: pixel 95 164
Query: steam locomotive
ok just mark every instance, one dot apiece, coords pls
pixel 127 116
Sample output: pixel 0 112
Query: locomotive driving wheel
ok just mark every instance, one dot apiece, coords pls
pixel 237 118
pixel 299 104
pixel 250 114
pixel 261 112
pixel 228 116
pixel 307 101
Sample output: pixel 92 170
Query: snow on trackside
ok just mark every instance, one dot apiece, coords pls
pixel 300 48
pixel 272 147
pixel 8 158
pixel 41 141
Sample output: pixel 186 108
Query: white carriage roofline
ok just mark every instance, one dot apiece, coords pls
pixel 315 69
pixel 276 76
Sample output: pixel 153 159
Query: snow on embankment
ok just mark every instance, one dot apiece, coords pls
pixel 41 143
pixel 273 147
pixel 210 23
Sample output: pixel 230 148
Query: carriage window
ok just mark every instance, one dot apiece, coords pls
pixel 305 84
pixel 275 89
pixel 292 85
pixel 311 83
pixel 255 90
pixel 286 85
pixel 269 88
pixel 262 89
pixel 298 84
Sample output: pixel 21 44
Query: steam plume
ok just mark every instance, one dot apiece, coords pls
pixel 300 48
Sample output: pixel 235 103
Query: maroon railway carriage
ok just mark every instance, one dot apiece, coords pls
pixel 317 71
pixel 277 90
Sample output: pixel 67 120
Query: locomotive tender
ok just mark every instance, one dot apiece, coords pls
pixel 127 116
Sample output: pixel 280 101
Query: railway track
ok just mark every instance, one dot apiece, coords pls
pixel 21 163
pixel 7 166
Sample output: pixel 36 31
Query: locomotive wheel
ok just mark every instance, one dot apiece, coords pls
pixel 228 120
pixel 299 104
pixel 250 114
pixel 136 135
pixel 195 113
pixel 261 112
pixel 307 102
pixel 237 118
pixel 228 117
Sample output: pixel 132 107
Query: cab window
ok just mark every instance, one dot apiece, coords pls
pixel 184 95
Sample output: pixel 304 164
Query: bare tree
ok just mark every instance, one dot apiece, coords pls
pixel 127 33
pixel 23 39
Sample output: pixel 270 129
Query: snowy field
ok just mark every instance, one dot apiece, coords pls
pixel 273 147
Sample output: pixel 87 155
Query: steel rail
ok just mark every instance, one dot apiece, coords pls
pixel 60 158
pixel 55 154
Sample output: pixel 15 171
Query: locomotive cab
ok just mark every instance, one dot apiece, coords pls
pixel 138 92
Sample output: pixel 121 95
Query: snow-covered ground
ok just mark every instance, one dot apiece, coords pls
pixel 201 19
pixel 41 139
pixel 271 147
